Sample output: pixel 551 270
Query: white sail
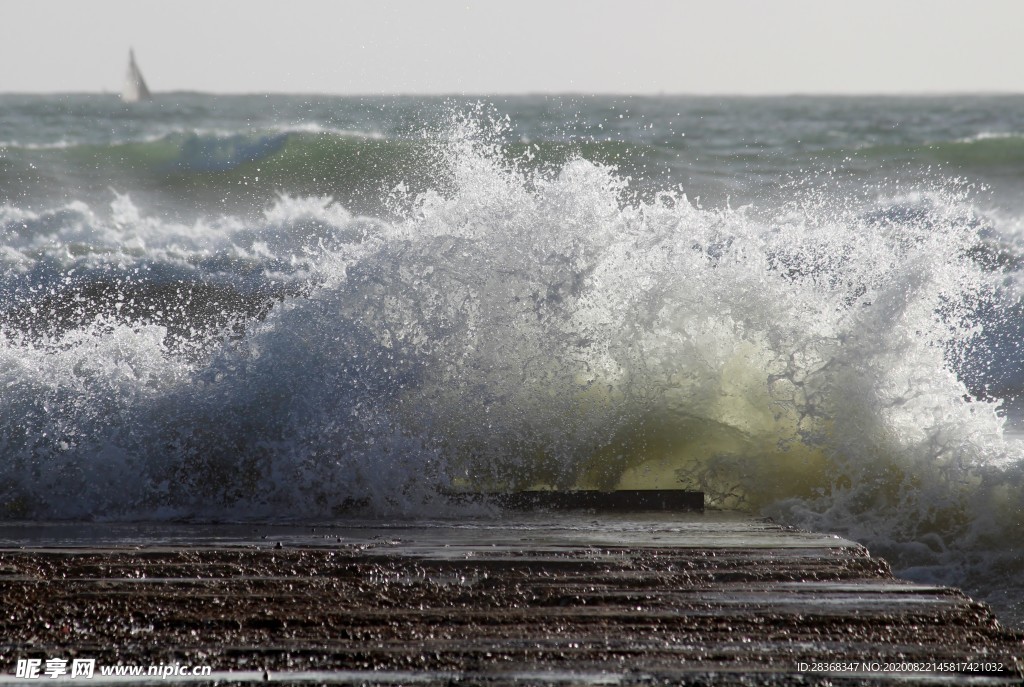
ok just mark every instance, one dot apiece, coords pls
pixel 135 88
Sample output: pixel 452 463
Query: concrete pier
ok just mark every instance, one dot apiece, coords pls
pixel 699 598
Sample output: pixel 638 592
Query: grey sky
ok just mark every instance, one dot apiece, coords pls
pixel 479 46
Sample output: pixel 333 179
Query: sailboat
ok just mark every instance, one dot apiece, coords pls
pixel 135 88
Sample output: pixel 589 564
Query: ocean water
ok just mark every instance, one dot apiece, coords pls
pixel 282 308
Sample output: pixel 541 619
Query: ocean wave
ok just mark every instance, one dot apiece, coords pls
pixel 156 133
pixel 522 327
pixel 192 174
pixel 990 136
pixel 987 154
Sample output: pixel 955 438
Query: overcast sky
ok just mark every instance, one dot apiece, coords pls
pixel 516 46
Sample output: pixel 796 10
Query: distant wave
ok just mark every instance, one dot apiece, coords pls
pixel 986 153
pixel 990 135
pixel 166 132
pixel 197 169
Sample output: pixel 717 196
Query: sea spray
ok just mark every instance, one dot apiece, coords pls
pixel 520 326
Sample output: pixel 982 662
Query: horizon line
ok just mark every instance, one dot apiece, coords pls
pixel 574 94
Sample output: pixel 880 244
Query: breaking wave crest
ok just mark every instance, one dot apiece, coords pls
pixel 521 328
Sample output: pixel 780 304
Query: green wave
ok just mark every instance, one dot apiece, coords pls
pixel 997 153
pixel 238 170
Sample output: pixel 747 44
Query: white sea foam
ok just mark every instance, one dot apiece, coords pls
pixel 991 136
pixel 154 134
pixel 285 238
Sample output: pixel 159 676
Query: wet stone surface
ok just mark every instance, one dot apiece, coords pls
pixel 389 612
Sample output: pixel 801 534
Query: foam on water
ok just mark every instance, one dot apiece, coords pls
pixel 533 329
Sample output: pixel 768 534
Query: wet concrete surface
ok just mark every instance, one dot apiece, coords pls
pixel 696 599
